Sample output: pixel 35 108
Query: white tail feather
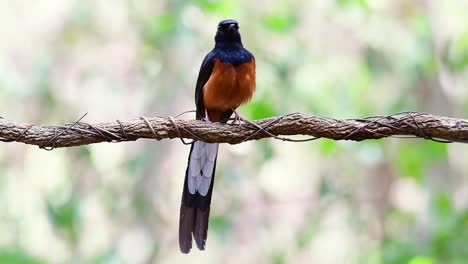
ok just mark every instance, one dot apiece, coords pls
pixel 205 185
pixel 201 166
pixel 191 182
pixel 211 151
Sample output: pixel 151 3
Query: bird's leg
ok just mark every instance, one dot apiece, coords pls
pixel 240 119
pixel 207 119
pixel 237 118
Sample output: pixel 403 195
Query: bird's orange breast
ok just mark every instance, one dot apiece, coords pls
pixel 228 87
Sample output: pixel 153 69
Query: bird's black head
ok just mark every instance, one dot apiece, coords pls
pixel 228 33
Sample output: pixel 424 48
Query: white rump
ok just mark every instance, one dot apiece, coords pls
pixel 201 165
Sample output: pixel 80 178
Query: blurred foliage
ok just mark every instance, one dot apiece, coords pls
pixel 412 161
pixel 17 257
pixel 280 21
pixel 457 54
pixel 358 3
pixel 385 201
pixel 65 217
pixel 445 241
pixel 222 8
pixel 159 27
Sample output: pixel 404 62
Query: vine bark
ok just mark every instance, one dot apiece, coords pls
pixel 412 124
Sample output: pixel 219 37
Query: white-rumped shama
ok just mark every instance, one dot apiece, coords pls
pixel 225 81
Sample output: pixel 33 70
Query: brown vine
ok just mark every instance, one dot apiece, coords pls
pixel 406 124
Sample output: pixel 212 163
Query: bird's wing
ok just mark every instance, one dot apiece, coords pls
pixel 203 76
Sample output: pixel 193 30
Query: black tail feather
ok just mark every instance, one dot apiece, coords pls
pixel 194 215
pixel 186 223
pixel 200 230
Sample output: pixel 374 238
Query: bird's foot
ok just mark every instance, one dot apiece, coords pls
pixel 206 119
pixel 237 118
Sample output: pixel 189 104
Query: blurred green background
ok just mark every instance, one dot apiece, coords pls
pixel 385 201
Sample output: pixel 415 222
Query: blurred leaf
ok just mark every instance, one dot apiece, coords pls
pixel 279 257
pixel 324 187
pixel 371 256
pixel 280 21
pixel 163 23
pixel 457 57
pixel 434 150
pixel 349 3
pixel 396 252
pixel 328 146
pixel 18 257
pixel 224 8
pixel 376 61
pixel 421 24
pixel 442 205
pixel 421 260
pixel 221 225
pixel 137 163
pixel 429 64
pixel 444 224
pixel 267 150
pixel 307 235
pixel 414 158
pixel 65 216
pixel 359 87
pixel 260 109
pixel 410 162
pixel 158 28
pixel 84 152
pixel 444 236
pixel 140 204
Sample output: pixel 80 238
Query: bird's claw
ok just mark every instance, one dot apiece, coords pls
pixel 237 118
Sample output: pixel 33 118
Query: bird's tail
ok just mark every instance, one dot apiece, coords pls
pixel 196 195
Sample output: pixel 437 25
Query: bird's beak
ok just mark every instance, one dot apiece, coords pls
pixel 232 27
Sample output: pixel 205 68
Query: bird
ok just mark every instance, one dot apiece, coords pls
pixel 225 81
